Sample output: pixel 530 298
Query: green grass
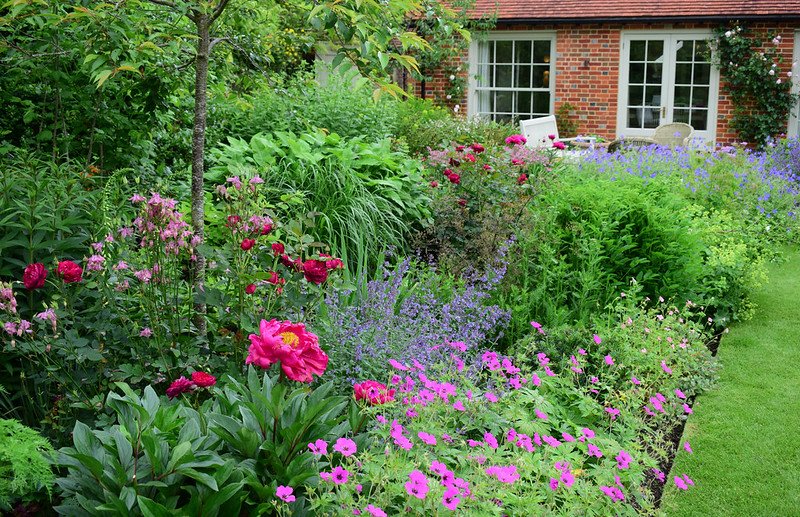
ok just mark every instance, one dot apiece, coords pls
pixel 746 434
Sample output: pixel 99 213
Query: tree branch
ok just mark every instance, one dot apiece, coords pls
pixel 217 11
pixel 214 42
pixel 165 3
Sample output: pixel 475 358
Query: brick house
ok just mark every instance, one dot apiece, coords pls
pixel 626 66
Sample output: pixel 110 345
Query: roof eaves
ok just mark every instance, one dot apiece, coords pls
pixel 650 19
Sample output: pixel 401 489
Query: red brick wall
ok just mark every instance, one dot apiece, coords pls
pixel 587 72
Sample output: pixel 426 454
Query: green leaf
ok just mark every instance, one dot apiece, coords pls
pixel 151 508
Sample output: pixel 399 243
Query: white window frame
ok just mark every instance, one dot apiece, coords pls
pixel 473 99
pixel 713 94
pixel 794 122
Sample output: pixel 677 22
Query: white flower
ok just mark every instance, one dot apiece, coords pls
pixel 452 77
pixel 789 74
pixel 778 81
pixel 457 108
pixel 449 97
pixel 772 72
pixel 727 34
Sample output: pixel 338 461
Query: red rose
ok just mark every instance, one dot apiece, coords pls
pixel 454 178
pixel 334 263
pixel 478 148
pixel 233 219
pixel 266 229
pixel 248 243
pixel 250 289
pixel 288 263
pixel 522 179
pixel 315 271
pixel 178 386
pixel 434 184
pixel 203 379
pixel 462 202
pixel 454 162
pixel 275 279
pixel 459 148
pixel 278 248
pixel 34 276
pixel 69 271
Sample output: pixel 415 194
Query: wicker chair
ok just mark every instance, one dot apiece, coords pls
pixel 674 134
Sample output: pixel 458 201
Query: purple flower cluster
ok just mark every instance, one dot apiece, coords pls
pixel 404 315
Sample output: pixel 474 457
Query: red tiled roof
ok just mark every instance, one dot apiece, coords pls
pixel 611 10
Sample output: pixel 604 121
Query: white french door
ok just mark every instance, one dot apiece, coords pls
pixel 666 77
pixel 794 119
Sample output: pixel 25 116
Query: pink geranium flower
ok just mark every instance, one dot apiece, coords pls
pixel 285 493
pixel 319 447
pixel 345 446
pixel 340 475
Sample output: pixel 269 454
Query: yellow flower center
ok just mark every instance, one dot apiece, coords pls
pixel 290 338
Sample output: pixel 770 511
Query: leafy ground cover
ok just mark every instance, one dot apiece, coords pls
pixel 744 459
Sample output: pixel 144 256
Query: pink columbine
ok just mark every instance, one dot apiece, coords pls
pixel 285 493
pixel 146 332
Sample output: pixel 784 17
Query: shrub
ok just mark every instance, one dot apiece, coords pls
pixel 24 463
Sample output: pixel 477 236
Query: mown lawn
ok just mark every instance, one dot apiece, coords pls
pixel 745 434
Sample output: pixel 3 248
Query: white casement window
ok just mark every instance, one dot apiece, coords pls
pixel 794 118
pixel 512 76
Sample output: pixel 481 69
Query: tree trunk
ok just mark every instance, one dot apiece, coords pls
pixel 203 22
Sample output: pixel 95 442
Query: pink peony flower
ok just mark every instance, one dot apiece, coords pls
pixel 290 343
pixel 373 392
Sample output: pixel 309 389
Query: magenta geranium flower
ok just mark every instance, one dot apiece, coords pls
pixel 290 343
pixel 345 446
pixel 623 460
pixel 427 438
pixel 340 475
pixel 375 511
pixel 450 498
pixel 285 493
pixel 373 392
pixel 319 447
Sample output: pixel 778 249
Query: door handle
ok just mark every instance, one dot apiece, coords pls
pixel 663 111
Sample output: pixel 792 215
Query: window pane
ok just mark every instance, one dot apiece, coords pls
pixel 522 76
pixel 541 102
pixel 522 52
pixel 702 74
pixel 541 76
pixel 524 104
pixel 683 73
pixel 701 50
pixel 635 117
pixel 680 115
pixel 503 101
pixel 685 50
pixel 636 73
pixel 503 51
pixel 700 97
pixel 652 96
pixel 541 52
pixel 636 95
pixel 683 96
pixel 653 73
pixel 655 50
pixel 699 119
pixel 502 76
pixel 652 117
pixel 503 118
pixel 637 50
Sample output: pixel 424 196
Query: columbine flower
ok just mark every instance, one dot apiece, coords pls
pixel 95 263
pixel 146 332
pixel 290 343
